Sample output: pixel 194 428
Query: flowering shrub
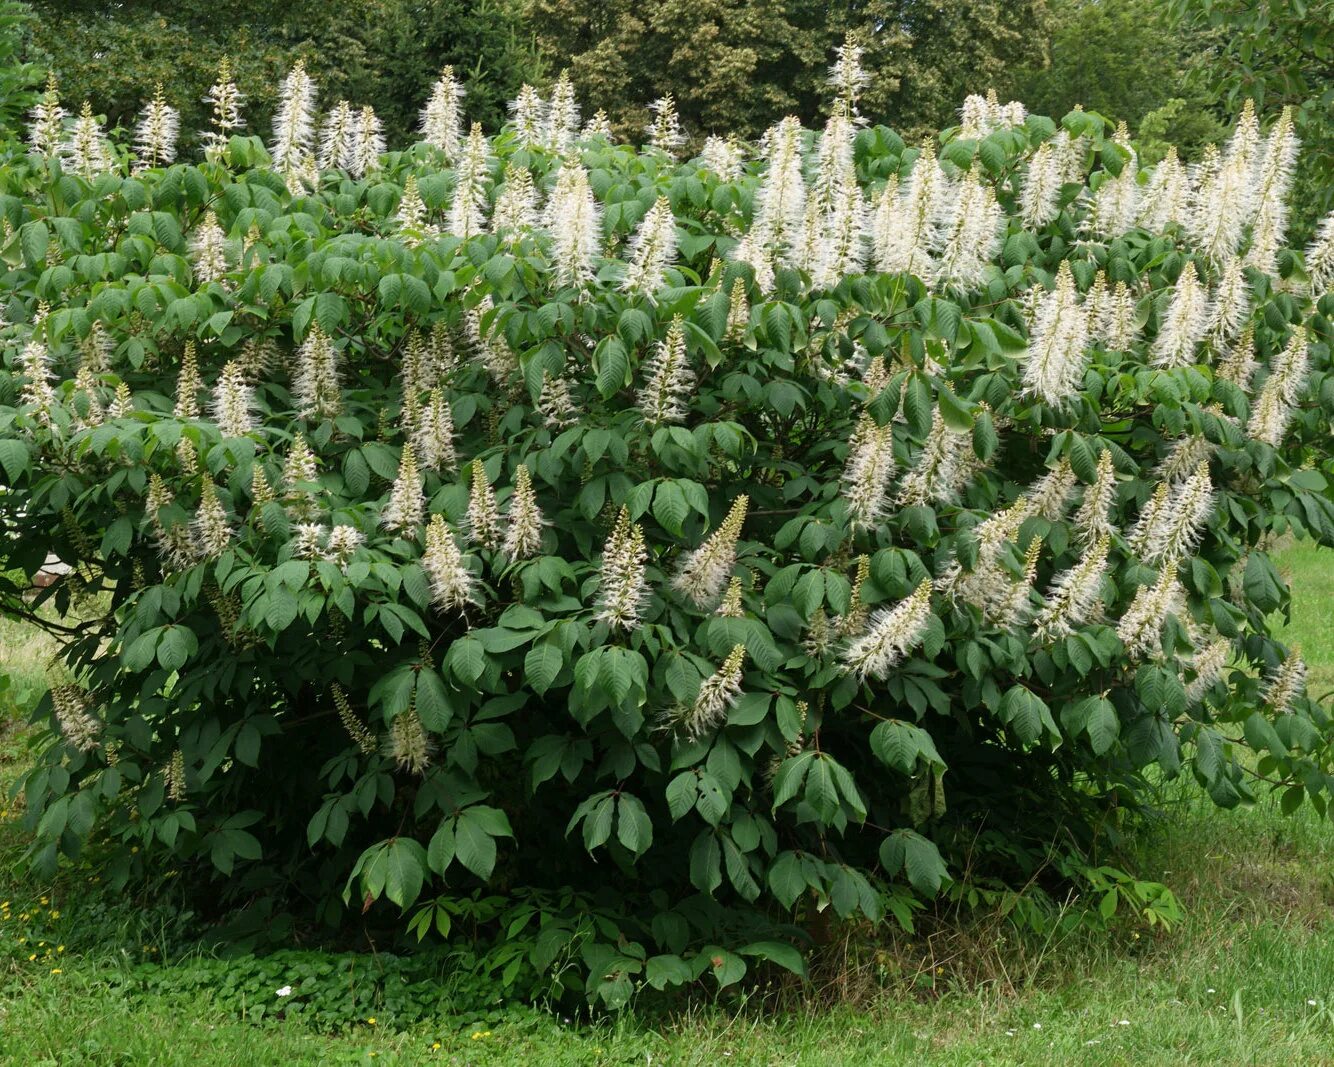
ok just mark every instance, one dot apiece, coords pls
pixel 679 547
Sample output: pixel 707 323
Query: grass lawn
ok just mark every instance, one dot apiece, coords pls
pixel 1248 977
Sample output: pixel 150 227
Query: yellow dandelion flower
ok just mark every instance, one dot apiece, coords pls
pixel 370 1021
pixel 56 970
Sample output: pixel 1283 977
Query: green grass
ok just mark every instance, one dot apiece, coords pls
pixel 1310 571
pixel 1248 977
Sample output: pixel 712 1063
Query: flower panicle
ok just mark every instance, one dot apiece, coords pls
pixel 670 379
pixel 483 514
pixel 623 592
pixel 523 532
pixel 705 571
pixel 890 634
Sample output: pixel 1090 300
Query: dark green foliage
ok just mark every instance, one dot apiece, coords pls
pixel 743 66
pixel 1126 61
pixel 381 52
pixel 1277 53
pixel 522 745
pixel 18 78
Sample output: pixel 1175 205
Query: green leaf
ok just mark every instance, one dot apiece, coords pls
pixel 909 851
pixel 612 364
pixel 662 971
pixel 1028 715
pixel 670 507
pixel 954 412
pixel 900 745
pixel 176 645
pixel 542 664
pixel 474 843
pixel 432 700
pixel 404 870
pixel 777 952
pixel 13 457
pixel 634 828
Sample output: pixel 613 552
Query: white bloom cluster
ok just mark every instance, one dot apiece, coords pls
pixel 652 250
pixel 293 144
pixel 1141 627
pixel 867 473
pixel 46 122
pixel 483 514
pixel 208 249
pixel 155 136
pixel 1320 258
pixel 1231 304
pixel 780 203
pixel 942 468
pixel 212 530
pixel 351 140
pixel 1273 180
pixel 1093 517
pixel 1185 322
pixel 523 533
pixel 1115 207
pixel 556 404
pixel 467 213
pixel 669 380
pixel 1208 663
pixel 37 391
pixel 224 100
pixel 973 237
pixel 408 744
pixel 889 635
pixel 1171 523
pixel 723 156
pixel 574 220
pixel 1287 684
pixel 717 695
pixel 433 435
pixel 623 590
pixel 453 587
pixel 411 215
pixel 81 729
pixel 1272 410
pixel 407 505
pixel 1058 347
pixel 528 117
pixel 86 151
pixel 705 571
pixel 980 115
pixel 562 117
pixel 664 132
pixel 232 401
pixel 1167 196
pixel 1050 494
pixel 1075 597
pixel 315 386
pixel 442 117
pixel 515 210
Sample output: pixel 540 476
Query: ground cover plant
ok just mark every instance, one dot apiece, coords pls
pixel 636 564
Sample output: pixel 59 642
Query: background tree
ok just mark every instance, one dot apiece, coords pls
pixel 741 66
pixel 17 78
pixel 1125 61
pixel 384 52
pixel 1279 53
